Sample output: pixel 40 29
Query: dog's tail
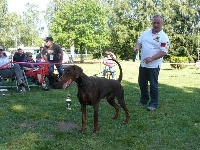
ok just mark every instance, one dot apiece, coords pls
pixel 120 70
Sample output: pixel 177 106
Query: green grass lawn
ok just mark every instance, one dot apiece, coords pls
pixel 39 119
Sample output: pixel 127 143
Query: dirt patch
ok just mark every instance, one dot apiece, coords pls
pixel 66 126
pixel 27 125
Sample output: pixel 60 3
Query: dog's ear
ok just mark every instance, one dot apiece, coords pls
pixel 77 71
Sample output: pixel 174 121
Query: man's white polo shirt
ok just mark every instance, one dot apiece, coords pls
pixel 151 45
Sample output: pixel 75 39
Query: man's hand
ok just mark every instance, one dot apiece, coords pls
pixel 148 60
pixel 155 57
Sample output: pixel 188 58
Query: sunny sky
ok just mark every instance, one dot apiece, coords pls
pixel 19 5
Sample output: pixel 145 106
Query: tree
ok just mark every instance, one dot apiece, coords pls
pixel 84 21
pixel 29 32
pixel 17 30
pixel 3 28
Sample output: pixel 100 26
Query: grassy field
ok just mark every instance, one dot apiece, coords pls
pixel 38 120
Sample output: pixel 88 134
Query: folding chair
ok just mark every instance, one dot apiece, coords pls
pixel 10 81
pixel 7 81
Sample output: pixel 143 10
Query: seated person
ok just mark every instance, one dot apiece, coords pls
pixel 19 56
pixel 109 64
pixel 6 71
pixel 33 70
pixel 39 56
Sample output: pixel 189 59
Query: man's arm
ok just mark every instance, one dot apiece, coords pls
pixel 155 57
pixel 59 51
pixel 137 47
pixel 45 58
pixel 44 55
pixel 14 57
pixel 7 64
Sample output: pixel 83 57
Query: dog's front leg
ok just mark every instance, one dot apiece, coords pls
pixel 96 126
pixel 83 109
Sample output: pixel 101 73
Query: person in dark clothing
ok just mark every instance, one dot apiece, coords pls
pixel 19 56
pixel 53 55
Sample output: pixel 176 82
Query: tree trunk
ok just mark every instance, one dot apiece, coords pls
pixel 81 53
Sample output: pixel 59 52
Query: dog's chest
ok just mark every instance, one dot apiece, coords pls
pixel 86 97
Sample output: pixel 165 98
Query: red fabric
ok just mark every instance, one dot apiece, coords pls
pixel 163 44
pixel 44 70
pixel 32 73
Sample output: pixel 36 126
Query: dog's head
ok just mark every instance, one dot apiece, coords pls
pixel 71 73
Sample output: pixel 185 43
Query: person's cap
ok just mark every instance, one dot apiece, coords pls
pixel 48 39
pixel 1 48
pixel 19 49
pixel 28 54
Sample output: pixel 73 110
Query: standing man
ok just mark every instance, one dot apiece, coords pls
pixel 53 54
pixel 155 45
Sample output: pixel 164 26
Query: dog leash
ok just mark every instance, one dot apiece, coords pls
pixel 98 73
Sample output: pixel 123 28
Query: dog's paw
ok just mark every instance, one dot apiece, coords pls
pixel 125 122
pixel 82 130
pixel 96 130
pixel 115 117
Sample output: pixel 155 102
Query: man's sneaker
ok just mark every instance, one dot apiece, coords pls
pixel 151 108
pixel 22 90
pixel 45 87
pixel 139 104
pixel 20 82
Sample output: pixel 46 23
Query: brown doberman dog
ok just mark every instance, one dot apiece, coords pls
pixel 92 89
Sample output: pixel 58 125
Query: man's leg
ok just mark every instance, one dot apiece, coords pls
pixel 153 74
pixel 18 72
pixel 60 69
pixel 6 72
pixel 143 83
pixel 51 71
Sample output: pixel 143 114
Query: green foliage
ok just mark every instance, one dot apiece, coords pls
pixel 19 29
pixel 84 21
pixel 178 60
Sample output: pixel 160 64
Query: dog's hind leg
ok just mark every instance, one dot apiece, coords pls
pixel 111 101
pixel 123 105
pixel 120 98
pixel 83 109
